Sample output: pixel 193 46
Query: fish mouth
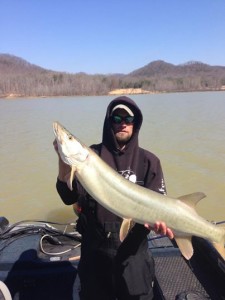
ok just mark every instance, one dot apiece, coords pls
pixel 57 130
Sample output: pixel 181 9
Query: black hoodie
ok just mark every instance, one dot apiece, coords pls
pixel 128 263
pixel 132 160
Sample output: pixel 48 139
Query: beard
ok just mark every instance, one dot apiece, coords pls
pixel 122 137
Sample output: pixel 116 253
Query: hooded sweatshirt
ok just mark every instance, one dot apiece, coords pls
pixel 134 163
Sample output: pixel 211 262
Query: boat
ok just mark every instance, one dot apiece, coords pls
pixel 39 260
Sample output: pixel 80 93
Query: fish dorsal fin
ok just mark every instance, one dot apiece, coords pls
pixel 71 177
pixel 192 199
pixel 185 246
pixel 125 227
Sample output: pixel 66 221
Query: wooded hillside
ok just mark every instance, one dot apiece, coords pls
pixel 20 78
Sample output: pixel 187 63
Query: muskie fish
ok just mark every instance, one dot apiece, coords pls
pixel 131 201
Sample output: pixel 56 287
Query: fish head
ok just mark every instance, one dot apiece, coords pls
pixel 70 149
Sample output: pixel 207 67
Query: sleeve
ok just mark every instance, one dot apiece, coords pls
pixel 69 197
pixel 154 178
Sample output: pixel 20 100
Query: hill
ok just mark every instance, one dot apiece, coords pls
pixel 21 78
pixel 165 69
pixel 12 64
pixel 191 76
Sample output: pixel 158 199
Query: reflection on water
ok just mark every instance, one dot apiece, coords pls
pixel 185 130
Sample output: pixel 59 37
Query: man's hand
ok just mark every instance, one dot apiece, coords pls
pixel 161 228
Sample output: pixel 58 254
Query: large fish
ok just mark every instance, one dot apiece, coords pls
pixel 131 201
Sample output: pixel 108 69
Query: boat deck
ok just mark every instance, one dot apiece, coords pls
pixel 37 262
pixel 175 275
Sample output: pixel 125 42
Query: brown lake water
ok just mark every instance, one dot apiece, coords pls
pixel 185 130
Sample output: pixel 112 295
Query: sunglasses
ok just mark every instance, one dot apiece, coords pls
pixel 118 119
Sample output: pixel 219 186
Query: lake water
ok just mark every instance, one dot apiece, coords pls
pixel 185 130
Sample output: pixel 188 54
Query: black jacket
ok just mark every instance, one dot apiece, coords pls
pixel 134 161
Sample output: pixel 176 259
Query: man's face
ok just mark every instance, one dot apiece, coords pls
pixel 124 130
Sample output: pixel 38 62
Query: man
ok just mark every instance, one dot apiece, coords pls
pixel 110 269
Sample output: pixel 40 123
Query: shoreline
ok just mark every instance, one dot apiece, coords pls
pixel 131 91
pixel 116 92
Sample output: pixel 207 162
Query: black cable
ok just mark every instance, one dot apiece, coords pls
pixel 23 228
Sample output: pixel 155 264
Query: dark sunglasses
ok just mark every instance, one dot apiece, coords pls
pixel 118 119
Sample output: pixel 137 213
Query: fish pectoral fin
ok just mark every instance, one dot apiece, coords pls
pixel 185 246
pixel 192 199
pixel 125 227
pixel 71 177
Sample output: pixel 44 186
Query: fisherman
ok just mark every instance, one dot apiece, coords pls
pixel 110 269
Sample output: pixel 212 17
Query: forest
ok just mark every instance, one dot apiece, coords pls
pixel 20 78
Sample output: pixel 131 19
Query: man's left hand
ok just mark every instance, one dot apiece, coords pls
pixel 161 228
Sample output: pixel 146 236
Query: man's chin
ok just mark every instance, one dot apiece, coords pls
pixel 122 138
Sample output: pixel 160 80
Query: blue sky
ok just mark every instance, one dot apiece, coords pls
pixel 112 36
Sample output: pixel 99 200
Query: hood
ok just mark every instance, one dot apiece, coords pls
pixel 108 139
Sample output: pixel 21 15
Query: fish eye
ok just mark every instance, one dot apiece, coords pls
pixel 70 137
